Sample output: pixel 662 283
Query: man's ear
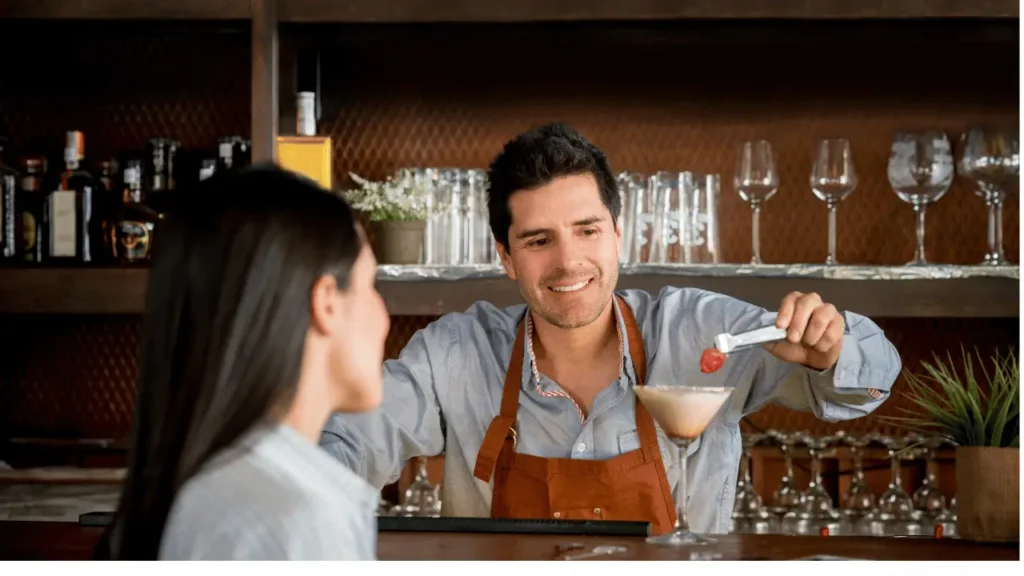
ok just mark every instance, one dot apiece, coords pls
pixel 506 260
pixel 324 305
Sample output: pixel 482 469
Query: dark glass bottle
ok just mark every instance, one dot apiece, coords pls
pixel 73 230
pixel 108 201
pixel 233 153
pixel 135 225
pixel 30 203
pixel 159 174
pixel 8 209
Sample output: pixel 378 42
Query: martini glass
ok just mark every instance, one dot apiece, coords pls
pixel 683 412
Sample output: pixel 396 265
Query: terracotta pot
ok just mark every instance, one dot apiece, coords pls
pixel 988 494
pixel 397 242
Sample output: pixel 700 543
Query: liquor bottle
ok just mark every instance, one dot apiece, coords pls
pixel 108 201
pixel 306 153
pixel 73 232
pixel 8 209
pixel 30 203
pixel 135 224
pixel 233 153
pixel 159 174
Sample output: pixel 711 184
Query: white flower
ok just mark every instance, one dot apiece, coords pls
pixel 387 200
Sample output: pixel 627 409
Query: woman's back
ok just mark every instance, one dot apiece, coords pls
pixel 261 319
pixel 272 496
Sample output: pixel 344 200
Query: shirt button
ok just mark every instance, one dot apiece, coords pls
pixel 581 447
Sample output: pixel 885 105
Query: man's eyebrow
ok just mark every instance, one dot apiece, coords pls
pixel 539 231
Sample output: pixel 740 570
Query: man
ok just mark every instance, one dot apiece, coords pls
pixel 533 405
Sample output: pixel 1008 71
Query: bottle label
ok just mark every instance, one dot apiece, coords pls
pixel 63 225
pixel 28 236
pixel 133 240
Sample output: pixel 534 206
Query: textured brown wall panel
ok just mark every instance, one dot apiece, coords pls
pixel 664 98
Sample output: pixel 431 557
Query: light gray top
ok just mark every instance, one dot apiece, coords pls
pixel 442 392
pixel 274 495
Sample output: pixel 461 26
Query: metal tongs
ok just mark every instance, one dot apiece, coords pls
pixel 726 343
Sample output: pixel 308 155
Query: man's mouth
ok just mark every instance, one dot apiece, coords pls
pixel 564 288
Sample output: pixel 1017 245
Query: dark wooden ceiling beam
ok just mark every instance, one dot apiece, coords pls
pixel 510 10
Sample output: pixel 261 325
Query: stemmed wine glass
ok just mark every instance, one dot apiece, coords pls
pixel 895 515
pixel 786 497
pixel 756 181
pixel 991 158
pixel 421 497
pixel 920 172
pixel 833 178
pixel 683 412
pixel 749 515
pixel 860 502
pixel 816 511
pixel 927 499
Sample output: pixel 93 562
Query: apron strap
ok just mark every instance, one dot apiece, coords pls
pixel 644 421
pixel 502 428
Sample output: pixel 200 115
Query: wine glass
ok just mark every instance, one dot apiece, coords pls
pixel 833 178
pixel 816 511
pixel 786 497
pixel 420 498
pixel 991 158
pixel 920 172
pixel 860 502
pixel 756 181
pixel 683 412
pixel 927 498
pixel 895 515
pixel 749 515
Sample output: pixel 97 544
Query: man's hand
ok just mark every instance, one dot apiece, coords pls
pixel 815 331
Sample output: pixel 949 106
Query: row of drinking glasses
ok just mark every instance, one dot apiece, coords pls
pixel 672 217
pixel 457 230
pixel 811 511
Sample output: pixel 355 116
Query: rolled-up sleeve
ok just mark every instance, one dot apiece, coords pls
pixel 409 423
pixel 859 382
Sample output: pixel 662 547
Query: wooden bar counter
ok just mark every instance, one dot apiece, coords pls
pixel 69 541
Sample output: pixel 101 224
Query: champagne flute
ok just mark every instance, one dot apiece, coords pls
pixel 756 181
pixel 683 412
pixel 991 158
pixel 920 172
pixel 833 178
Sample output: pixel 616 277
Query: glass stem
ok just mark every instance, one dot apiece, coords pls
pixel 919 211
pixel 816 468
pixel 896 480
pixel 755 232
pixel 681 524
pixel 832 208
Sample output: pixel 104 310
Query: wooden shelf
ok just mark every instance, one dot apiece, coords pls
pixel 122 291
pixel 420 11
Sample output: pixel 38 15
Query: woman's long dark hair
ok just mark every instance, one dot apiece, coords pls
pixel 227 312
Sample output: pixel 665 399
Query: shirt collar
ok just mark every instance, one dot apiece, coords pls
pixel 532 378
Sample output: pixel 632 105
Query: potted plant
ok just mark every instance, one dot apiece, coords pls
pixel 398 215
pixel 979 413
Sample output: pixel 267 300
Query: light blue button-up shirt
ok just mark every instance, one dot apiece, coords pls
pixel 273 496
pixel 442 392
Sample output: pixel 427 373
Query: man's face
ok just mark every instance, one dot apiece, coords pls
pixel 563 250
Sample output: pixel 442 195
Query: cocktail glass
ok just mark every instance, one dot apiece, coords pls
pixel 683 412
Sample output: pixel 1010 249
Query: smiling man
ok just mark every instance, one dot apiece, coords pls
pixel 533 405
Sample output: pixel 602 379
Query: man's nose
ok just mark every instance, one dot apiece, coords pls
pixel 570 253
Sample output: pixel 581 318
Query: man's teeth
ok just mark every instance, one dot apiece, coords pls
pixel 572 288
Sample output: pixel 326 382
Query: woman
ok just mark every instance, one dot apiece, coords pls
pixel 261 319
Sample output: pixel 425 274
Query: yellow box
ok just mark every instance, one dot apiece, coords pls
pixel 307 155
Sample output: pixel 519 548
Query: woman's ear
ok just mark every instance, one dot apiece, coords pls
pixel 325 305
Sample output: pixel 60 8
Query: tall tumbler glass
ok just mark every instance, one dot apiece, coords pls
pixel 631 185
pixel 703 195
pixel 447 218
pixel 671 225
pixel 477 241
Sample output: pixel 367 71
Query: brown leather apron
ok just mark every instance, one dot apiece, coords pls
pixel 631 486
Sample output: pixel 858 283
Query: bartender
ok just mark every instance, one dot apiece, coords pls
pixel 532 405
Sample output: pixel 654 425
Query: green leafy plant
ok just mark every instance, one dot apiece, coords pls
pixel 958 407
pixel 388 200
